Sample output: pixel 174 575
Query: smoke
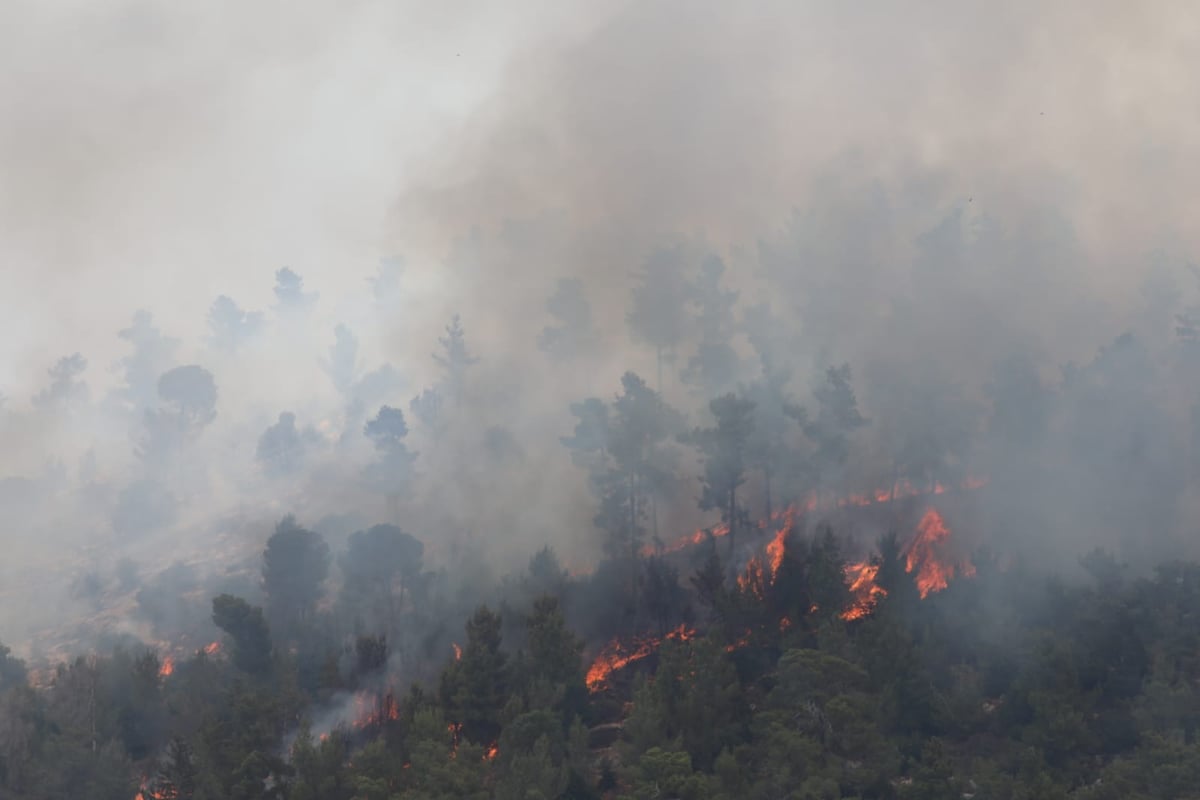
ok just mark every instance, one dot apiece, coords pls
pixel 957 199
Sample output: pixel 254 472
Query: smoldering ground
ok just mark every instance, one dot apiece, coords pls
pixel 955 199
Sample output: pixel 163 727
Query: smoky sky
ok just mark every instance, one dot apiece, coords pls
pixel 923 190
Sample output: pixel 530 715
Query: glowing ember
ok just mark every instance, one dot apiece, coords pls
pixel 933 573
pixel 167 667
pixel 212 648
pixel 457 652
pixel 617 655
pixel 491 753
pixel 372 709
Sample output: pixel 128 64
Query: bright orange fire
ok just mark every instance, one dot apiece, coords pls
pixel 491 753
pixel 901 490
pixel 145 793
pixel 616 655
pixel 933 573
pixel 457 652
pixel 932 570
pixel 167 667
pixel 861 576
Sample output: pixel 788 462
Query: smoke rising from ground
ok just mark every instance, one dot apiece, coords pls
pixel 957 199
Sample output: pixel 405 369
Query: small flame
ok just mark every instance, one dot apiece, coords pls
pixel 212 648
pixel 167 667
pixel 457 652
pixel 372 709
pixel 491 753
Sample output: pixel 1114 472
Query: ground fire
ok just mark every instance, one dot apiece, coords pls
pixel 925 558
pixel 617 655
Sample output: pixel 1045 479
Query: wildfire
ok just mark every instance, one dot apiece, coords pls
pixel 145 793
pixel 616 655
pixel 491 753
pixel 898 491
pixel 861 576
pixel 457 652
pixel 933 574
pixel 167 667
pixel 373 709
pixel 212 648
pixel 932 571
pixel 777 546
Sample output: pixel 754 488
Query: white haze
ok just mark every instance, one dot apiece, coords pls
pixel 155 156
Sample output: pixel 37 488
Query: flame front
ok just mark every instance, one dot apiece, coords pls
pixel 616 655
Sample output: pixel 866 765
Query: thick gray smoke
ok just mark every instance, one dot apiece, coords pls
pixel 957 199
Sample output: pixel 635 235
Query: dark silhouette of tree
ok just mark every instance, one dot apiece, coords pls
pixel 248 629
pixel 282 448
pixel 342 363
pixel 836 418
pixel 770 448
pixel 555 651
pixel 723 451
pixel 394 467
pixel 381 566
pixel 189 394
pixel 290 297
pixel 474 689
pixel 188 404
pixel 66 391
pixel 151 357
pixel 573 336
pixel 627 450
pixel 427 409
pixel 714 367
pixel 229 326
pixel 658 314
pixel 177 772
pixel 385 285
pixel 295 564
pixel 454 358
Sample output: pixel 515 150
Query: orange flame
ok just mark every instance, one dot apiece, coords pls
pixel 933 574
pixel 866 592
pixel 373 709
pixel 900 490
pixel 212 648
pixel 931 570
pixel 167 667
pixel 617 655
pixel 457 652
pixel 491 753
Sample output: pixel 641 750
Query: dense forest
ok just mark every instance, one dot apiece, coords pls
pixel 1004 684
